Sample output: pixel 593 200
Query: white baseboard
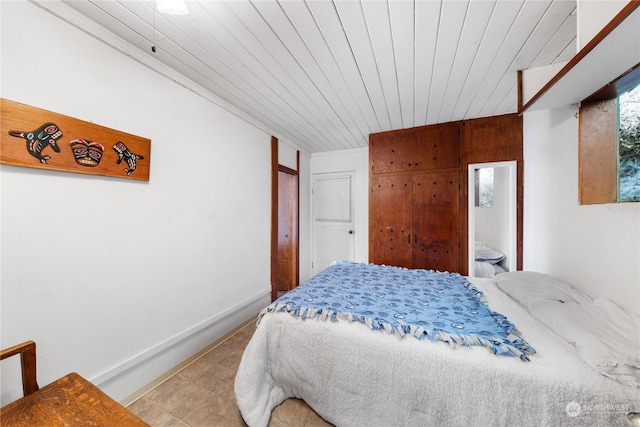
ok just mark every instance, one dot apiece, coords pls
pixel 153 384
pixel 141 372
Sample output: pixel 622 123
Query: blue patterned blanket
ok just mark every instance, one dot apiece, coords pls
pixel 426 304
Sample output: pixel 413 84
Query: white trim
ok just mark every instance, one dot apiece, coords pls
pixel 155 383
pixel 180 346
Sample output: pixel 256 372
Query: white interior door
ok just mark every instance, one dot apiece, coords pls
pixel 333 221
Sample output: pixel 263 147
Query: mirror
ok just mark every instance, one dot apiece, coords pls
pixel 609 147
pixel 492 232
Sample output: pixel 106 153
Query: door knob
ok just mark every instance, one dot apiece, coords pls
pixel 350 231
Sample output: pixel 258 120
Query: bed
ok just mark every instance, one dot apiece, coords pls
pixel 356 370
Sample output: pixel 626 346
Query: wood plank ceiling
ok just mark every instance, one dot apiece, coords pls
pixel 326 74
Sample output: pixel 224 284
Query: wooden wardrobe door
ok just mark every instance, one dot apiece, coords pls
pixel 438 147
pixel 436 221
pixel 391 152
pixel 390 220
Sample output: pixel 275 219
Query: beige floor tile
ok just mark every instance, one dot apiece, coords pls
pixel 206 374
pixel 202 394
pixel 234 419
pixel 153 415
pixel 244 334
pixel 315 420
pixel 227 355
pixel 210 413
pixel 178 396
pixel 291 413
pixel 226 389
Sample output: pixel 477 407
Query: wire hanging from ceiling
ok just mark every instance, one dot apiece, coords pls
pixel 153 25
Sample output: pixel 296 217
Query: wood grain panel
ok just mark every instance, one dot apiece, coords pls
pixel 42 139
pixel 437 146
pixel 68 401
pixel 492 139
pixel 416 149
pixel 597 152
pixel 436 223
pixel 390 228
pixel 287 231
pixel 391 151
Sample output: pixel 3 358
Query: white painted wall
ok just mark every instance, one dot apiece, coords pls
pixel 356 160
pixel 593 16
pixel 596 248
pixel 305 217
pixel 287 155
pixel 121 280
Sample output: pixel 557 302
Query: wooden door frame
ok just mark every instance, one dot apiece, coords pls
pixel 276 167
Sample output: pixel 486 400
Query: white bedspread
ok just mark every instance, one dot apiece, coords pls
pixel 354 376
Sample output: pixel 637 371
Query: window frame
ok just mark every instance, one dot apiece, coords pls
pixel 598 171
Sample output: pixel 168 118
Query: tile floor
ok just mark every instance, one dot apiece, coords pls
pixel 201 394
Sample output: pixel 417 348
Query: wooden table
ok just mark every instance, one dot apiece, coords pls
pixel 69 401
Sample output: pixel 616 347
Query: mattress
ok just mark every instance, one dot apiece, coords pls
pixel 352 375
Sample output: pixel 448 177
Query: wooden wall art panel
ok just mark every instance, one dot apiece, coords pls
pixel 39 138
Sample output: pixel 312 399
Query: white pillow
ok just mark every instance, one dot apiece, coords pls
pixel 498 268
pixel 528 287
pixel 484 269
pixel 488 254
pixel 605 335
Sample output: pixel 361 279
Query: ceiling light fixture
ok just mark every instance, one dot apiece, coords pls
pixel 172 7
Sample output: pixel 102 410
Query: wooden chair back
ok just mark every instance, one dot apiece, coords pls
pixel 27 352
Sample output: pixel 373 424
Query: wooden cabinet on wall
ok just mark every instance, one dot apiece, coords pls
pixel 418 189
pixel 415 197
pixel 415 149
